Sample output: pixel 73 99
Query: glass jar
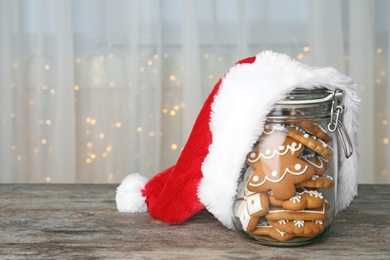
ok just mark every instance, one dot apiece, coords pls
pixel 287 190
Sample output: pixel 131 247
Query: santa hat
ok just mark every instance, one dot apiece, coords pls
pixel 229 123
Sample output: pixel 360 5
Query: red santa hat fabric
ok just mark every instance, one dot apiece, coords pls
pixel 229 123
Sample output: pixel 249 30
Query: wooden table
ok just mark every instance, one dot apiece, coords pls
pixel 79 221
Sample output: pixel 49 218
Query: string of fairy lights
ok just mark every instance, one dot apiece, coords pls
pixel 95 150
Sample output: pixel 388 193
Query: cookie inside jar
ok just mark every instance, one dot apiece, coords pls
pixel 286 192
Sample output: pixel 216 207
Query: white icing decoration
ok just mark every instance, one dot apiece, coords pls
pixel 306 135
pixel 255 178
pixel 268 151
pixel 320 159
pixel 310 192
pixel 281 147
pixel 283 175
pixel 274 173
pixel 253 203
pixel 315 177
pixel 315 194
pixel 282 233
pixel 319 222
pixel 253 155
pixel 329 177
pixel 325 144
pixel 268 226
pixel 299 223
pixel 296 199
pixel 293 147
pixel 282 222
pixel 298 167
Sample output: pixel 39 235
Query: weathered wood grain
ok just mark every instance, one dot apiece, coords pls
pixel 81 222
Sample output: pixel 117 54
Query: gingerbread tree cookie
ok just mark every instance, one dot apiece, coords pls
pixel 277 164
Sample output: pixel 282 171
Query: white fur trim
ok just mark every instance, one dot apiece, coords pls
pixel 239 110
pixel 128 194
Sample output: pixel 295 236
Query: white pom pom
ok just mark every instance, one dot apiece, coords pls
pixel 128 194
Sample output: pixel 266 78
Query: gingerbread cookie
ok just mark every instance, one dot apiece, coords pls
pixel 278 213
pixel 310 141
pixel 317 131
pixel 250 206
pixel 299 227
pixel 250 209
pixel 273 232
pixel 316 181
pixel 277 164
pixel 304 199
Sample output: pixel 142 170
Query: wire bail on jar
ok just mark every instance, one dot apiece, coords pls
pixel 336 123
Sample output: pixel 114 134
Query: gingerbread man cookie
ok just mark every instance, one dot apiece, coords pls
pixel 278 166
pixel 304 199
pixel 316 181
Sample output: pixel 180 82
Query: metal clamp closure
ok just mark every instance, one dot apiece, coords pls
pixel 336 123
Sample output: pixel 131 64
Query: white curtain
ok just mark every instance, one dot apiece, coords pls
pixel 92 90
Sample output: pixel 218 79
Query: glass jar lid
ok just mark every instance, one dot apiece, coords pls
pixel 305 104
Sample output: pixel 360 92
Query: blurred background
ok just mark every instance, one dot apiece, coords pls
pixel 92 90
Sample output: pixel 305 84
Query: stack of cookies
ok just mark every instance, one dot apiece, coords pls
pixel 279 194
